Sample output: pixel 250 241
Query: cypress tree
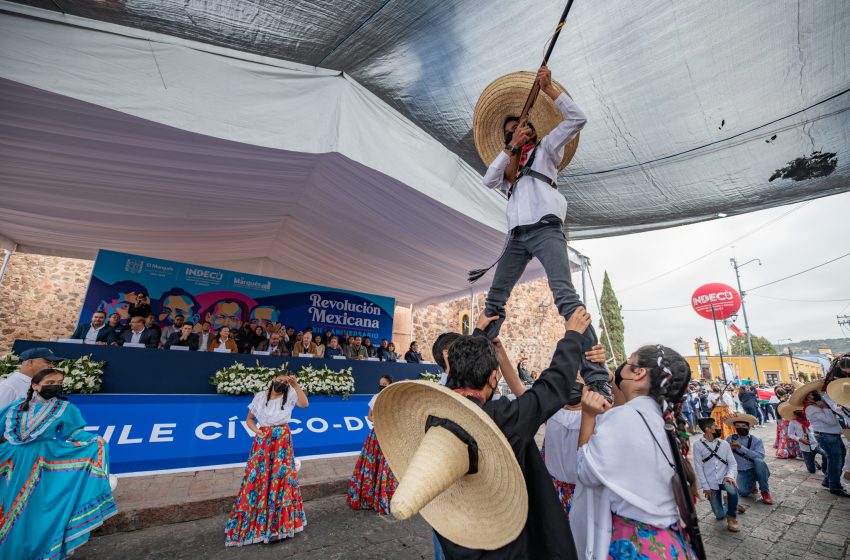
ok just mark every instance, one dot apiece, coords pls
pixel 611 323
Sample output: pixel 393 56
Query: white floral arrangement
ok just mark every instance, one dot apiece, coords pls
pixel 428 376
pixel 9 364
pixel 239 379
pixel 82 375
pixel 326 381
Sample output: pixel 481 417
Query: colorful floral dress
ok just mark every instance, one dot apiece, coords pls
pixel 786 448
pixel 372 484
pixel 268 507
pixel 55 480
pixel 633 540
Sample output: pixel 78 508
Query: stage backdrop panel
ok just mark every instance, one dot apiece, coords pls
pixel 227 298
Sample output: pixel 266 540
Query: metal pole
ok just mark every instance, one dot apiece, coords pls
pixel 719 348
pixel 583 278
pixel 6 257
pixel 746 321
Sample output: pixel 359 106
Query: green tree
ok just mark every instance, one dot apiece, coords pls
pixel 761 346
pixel 611 323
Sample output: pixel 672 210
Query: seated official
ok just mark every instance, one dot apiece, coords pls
pixel 412 356
pixel 274 346
pixel 223 341
pixel 379 351
pixel 390 355
pixel 138 334
pixel 96 332
pixel 305 346
pixel 114 324
pixel 749 454
pixel 204 336
pixel 183 338
pixel 150 323
pixel 333 349
pixel 370 350
pixel 173 328
pixel 320 347
pixel 356 351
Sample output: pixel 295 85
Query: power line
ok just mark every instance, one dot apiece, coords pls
pixel 706 145
pixel 752 231
pixel 800 300
pixel 801 272
pixel 658 308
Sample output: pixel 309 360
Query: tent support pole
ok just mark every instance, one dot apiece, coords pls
pixel 6 257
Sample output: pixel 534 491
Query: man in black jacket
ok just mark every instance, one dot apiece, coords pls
pixel 137 333
pixel 183 338
pixel 474 374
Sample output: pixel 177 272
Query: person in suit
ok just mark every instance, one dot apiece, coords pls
pixel 204 336
pixel 141 307
pixel 139 334
pixel 175 327
pixel 412 356
pixel 306 346
pixel 274 346
pixel 333 348
pixel 223 340
pixel 370 350
pixel 183 338
pixel 390 355
pixel 356 350
pixel 114 325
pixel 95 332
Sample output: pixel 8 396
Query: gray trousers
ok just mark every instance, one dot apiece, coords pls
pixel 547 242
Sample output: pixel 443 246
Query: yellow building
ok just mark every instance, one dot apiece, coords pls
pixel 773 369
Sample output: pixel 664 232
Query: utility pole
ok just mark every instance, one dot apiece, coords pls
pixel 737 266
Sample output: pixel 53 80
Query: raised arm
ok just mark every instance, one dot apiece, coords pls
pixel 574 118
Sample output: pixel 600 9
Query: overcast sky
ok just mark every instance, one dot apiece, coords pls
pixel 810 234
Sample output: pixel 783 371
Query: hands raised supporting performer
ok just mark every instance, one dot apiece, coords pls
pixel 526 170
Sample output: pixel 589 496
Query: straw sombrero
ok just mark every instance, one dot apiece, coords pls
pixel 839 391
pixel 786 410
pixel 484 510
pixel 506 96
pixel 800 393
pixel 748 418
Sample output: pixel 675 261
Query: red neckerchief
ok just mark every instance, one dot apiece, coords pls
pixel 525 151
pixel 471 393
pixel 803 421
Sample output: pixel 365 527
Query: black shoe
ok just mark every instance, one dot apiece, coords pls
pixel 825 484
pixel 843 493
pixel 603 388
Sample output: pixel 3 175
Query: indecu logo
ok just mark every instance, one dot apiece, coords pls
pixel 203 273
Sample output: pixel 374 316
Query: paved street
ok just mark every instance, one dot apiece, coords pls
pixel 805 522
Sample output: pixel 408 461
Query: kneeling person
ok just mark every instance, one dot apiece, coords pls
pixel 749 454
pixel 716 471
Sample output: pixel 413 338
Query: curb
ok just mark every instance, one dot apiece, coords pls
pixel 134 520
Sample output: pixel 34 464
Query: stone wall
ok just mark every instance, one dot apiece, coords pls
pixel 41 297
pixel 529 327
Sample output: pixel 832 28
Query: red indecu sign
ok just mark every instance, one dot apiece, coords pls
pixel 725 299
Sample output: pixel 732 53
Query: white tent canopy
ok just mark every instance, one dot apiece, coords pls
pixel 138 142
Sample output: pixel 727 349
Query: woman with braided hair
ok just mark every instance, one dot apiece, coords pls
pixel 625 506
pixel 57 482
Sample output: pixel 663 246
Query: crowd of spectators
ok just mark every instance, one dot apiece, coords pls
pixel 252 336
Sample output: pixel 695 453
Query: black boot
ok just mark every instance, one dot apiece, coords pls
pixel 603 388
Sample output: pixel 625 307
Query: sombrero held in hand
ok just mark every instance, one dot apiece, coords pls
pixel 506 96
pixel 454 465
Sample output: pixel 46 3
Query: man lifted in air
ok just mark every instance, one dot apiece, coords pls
pixel 536 211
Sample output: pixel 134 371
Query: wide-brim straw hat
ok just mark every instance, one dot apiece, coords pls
pixel 505 96
pixel 800 393
pixel 839 391
pixel 485 510
pixel 748 418
pixel 786 410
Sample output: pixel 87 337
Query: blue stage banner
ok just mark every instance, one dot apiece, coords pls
pixel 170 432
pixel 226 298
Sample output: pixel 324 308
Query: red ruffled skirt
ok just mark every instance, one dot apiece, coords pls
pixel 268 506
pixel 786 448
pixel 372 484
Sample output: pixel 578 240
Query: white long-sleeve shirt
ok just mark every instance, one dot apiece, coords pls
pixel 822 421
pixel 712 471
pixel 562 431
pixel 795 431
pixel 532 199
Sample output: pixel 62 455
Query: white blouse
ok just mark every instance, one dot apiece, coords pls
pixel 269 413
pixel 562 431
pixel 622 470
